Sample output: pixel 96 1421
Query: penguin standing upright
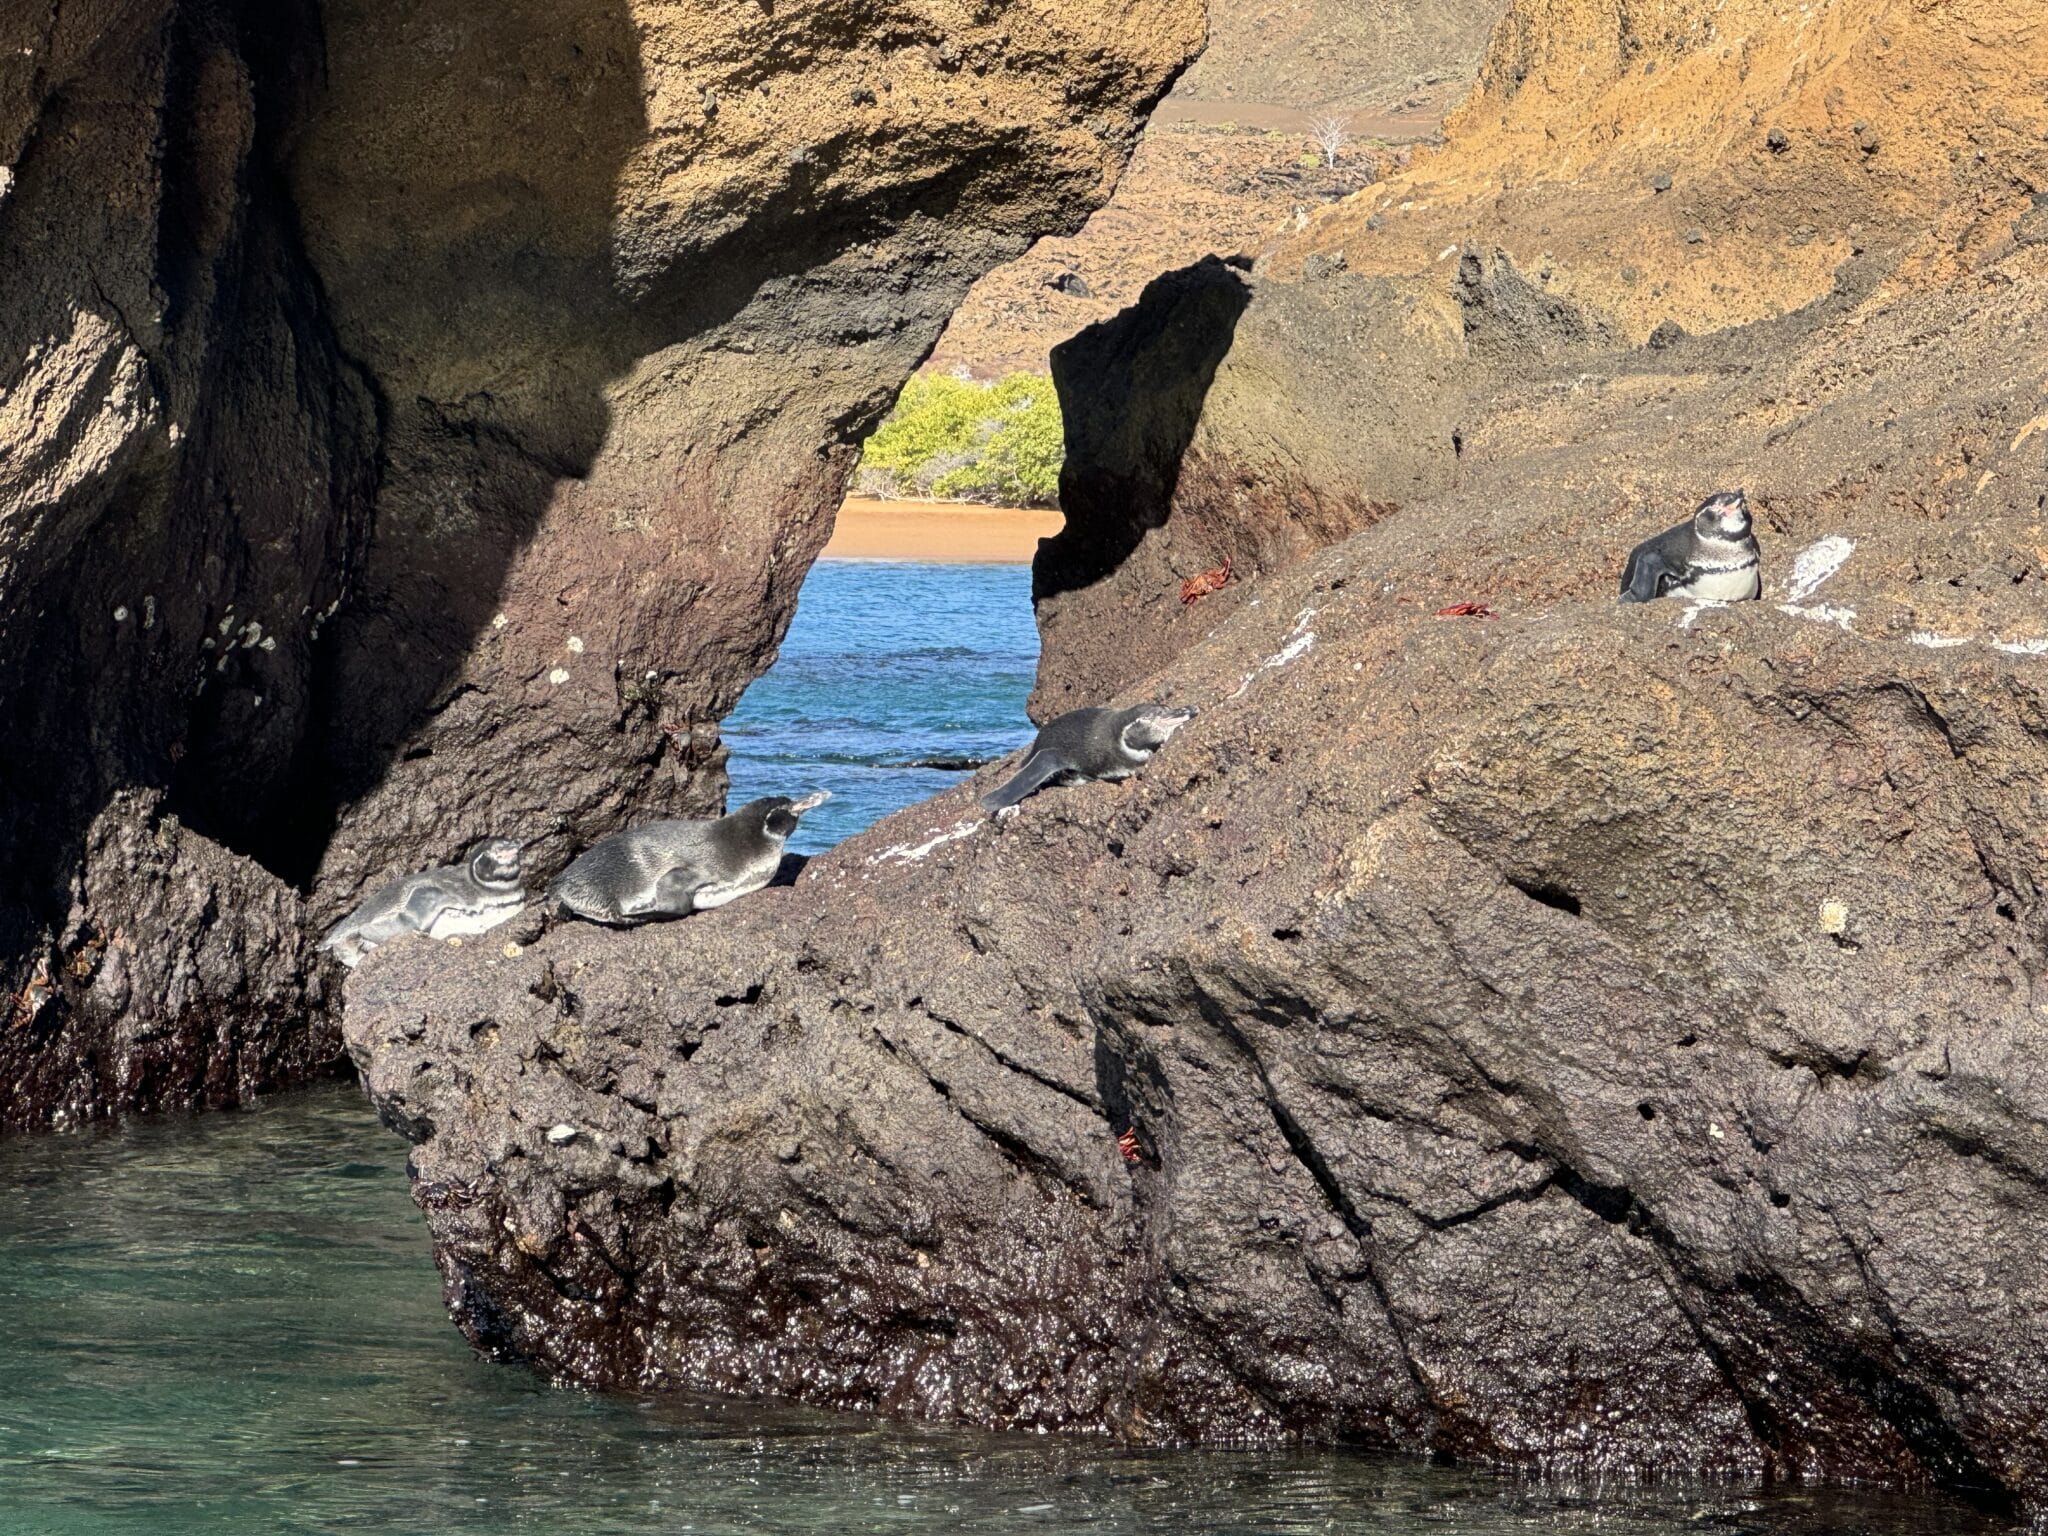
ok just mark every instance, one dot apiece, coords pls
pixel 1712 556
pixel 674 868
pixel 460 899
pixel 1090 744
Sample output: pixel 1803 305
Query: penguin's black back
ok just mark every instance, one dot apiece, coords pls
pixel 1089 740
pixel 1656 564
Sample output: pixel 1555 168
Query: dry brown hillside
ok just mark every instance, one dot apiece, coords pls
pixel 1350 54
pixel 1227 164
pixel 1712 165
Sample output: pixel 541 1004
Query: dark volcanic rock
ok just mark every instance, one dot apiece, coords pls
pixel 1488 1098
pixel 1257 422
pixel 2032 228
pixel 416 420
pixel 1601 1038
pixel 1187 444
pixel 187 465
pixel 185 978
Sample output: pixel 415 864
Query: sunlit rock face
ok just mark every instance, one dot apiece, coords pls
pixel 1503 1024
pixel 416 420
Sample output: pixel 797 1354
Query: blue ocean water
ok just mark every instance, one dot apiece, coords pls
pixel 231 1326
pixel 886 667
pixel 233 1323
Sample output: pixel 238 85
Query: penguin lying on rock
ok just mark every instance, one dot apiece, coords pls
pixel 1712 556
pixel 462 899
pixel 1089 744
pixel 674 868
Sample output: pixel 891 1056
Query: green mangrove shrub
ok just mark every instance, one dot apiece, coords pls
pixel 952 439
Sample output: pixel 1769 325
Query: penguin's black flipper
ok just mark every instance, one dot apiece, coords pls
pixel 421 905
pixel 675 895
pixel 558 903
pixel 1645 577
pixel 1038 771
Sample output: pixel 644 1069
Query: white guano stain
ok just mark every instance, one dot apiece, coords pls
pixel 2021 647
pixel 912 852
pixel 1816 564
pixel 1300 641
pixel 1696 608
pixel 559 676
pixel 1821 613
pixel 1934 642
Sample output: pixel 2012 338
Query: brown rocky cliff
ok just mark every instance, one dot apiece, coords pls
pixel 1595 1038
pixel 418 421
pixel 1621 174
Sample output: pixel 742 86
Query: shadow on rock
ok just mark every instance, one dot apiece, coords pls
pixel 1131 392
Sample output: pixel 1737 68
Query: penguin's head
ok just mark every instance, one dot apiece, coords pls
pixel 494 863
pixel 1153 723
pixel 1724 516
pixel 777 815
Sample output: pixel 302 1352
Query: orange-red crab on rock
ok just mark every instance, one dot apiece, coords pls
pixel 1195 588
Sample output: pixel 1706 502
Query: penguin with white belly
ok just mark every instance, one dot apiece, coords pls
pixel 1090 746
pixel 472 897
pixel 1710 557
pixel 673 868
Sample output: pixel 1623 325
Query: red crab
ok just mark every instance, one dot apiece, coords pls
pixel 1128 1145
pixel 1467 611
pixel 1195 588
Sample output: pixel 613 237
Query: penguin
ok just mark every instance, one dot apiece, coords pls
pixel 474 896
pixel 1713 556
pixel 1084 745
pixel 674 868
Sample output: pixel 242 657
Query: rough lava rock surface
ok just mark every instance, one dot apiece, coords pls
pixel 1592 1038
pixel 1638 173
pixel 416 421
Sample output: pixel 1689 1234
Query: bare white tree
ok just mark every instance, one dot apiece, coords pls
pixel 1331 133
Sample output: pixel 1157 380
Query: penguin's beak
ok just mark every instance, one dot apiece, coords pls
pixel 812 801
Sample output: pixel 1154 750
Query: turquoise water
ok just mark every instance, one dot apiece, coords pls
pixel 886 666
pixel 232 1324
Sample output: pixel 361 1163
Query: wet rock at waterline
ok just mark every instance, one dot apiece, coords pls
pixel 201 992
pixel 1589 1038
pixel 1597 1039
pixel 416 422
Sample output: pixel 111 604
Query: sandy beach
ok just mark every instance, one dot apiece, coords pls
pixel 944 532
